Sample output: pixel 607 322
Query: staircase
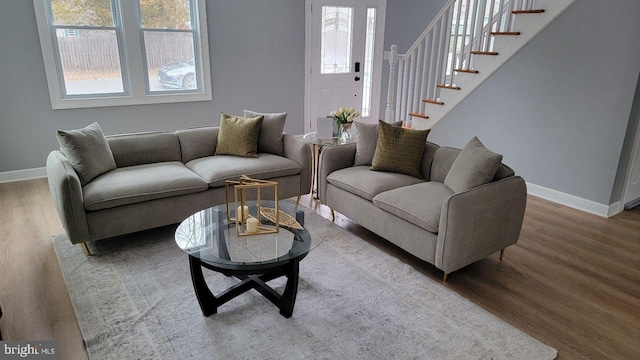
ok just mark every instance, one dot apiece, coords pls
pixel 462 47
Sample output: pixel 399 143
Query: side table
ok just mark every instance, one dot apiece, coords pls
pixel 317 146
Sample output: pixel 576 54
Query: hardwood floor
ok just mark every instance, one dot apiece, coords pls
pixel 572 281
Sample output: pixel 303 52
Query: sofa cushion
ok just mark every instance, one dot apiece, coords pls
pixel 198 142
pixel 443 158
pixel 238 136
pixel 366 141
pixel 87 151
pixel 216 169
pixel 419 204
pixel 367 184
pixel 134 184
pixel 144 148
pixel 270 140
pixel 399 150
pixel 476 165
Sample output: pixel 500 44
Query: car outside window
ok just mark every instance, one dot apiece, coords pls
pixel 122 52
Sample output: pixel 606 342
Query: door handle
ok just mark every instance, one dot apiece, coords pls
pixel 357 78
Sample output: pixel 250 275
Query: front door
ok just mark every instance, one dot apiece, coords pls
pixel 344 52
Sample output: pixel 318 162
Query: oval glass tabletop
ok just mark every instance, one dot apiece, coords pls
pixel 311 138
pixel 209 236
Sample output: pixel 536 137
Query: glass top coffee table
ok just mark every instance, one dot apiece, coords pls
pixel 212 242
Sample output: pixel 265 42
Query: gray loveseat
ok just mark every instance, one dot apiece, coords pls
pixel 423 216
pixel 163 177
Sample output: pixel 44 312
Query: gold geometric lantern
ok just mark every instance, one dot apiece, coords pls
pixel 246 224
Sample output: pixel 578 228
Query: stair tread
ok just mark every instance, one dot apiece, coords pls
pixel 420 115
pixel 470 71
pixel 534 11
pixel 443 86
pixel 484 53
pixel 437 102
pixel 505 33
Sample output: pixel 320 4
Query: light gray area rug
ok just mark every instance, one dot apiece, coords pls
pixel 135 300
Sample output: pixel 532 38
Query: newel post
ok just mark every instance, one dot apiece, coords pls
pixel 389 113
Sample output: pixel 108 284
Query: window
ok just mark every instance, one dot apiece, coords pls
pixel 123 52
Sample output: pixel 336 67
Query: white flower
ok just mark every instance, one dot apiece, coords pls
pixel 345 115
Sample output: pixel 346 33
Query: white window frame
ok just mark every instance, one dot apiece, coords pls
pixel 134 76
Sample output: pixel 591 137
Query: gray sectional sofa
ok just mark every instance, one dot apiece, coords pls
pixel 161 178
pixel 449 229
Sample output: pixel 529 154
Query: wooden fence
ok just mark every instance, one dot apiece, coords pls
pixel 97 51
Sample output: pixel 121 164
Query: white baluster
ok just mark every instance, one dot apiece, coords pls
pixel 393 60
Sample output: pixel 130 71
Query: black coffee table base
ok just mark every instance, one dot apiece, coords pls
pixel 252 278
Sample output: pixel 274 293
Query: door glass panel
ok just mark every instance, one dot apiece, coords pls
pixel 367 78
pixel 337 33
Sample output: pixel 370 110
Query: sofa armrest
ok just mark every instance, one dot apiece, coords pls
pixel 479 222
pixel 333 158
pixel 66 191
pixel 296 149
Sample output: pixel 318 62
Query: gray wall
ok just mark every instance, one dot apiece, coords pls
pixel 257 59
pixel 559 109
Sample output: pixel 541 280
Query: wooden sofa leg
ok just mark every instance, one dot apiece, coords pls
pixel 444 277
pixel 298 200
pixel 333 215
pixel 501 254
pixel 86 249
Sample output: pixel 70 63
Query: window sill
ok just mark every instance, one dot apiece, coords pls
pixel 108 101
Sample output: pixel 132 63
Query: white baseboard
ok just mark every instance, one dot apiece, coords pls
pixel 19 175
pixel 573 201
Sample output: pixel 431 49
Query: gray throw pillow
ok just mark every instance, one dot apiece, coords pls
pixel 399 150
pixel 366 141
pixel 271 130
pixel 238 136
pixel 476 165
pixel 87 150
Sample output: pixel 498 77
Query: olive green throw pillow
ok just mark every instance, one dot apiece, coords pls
pixel 399 150
pixel 238 136
pixel 366 141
